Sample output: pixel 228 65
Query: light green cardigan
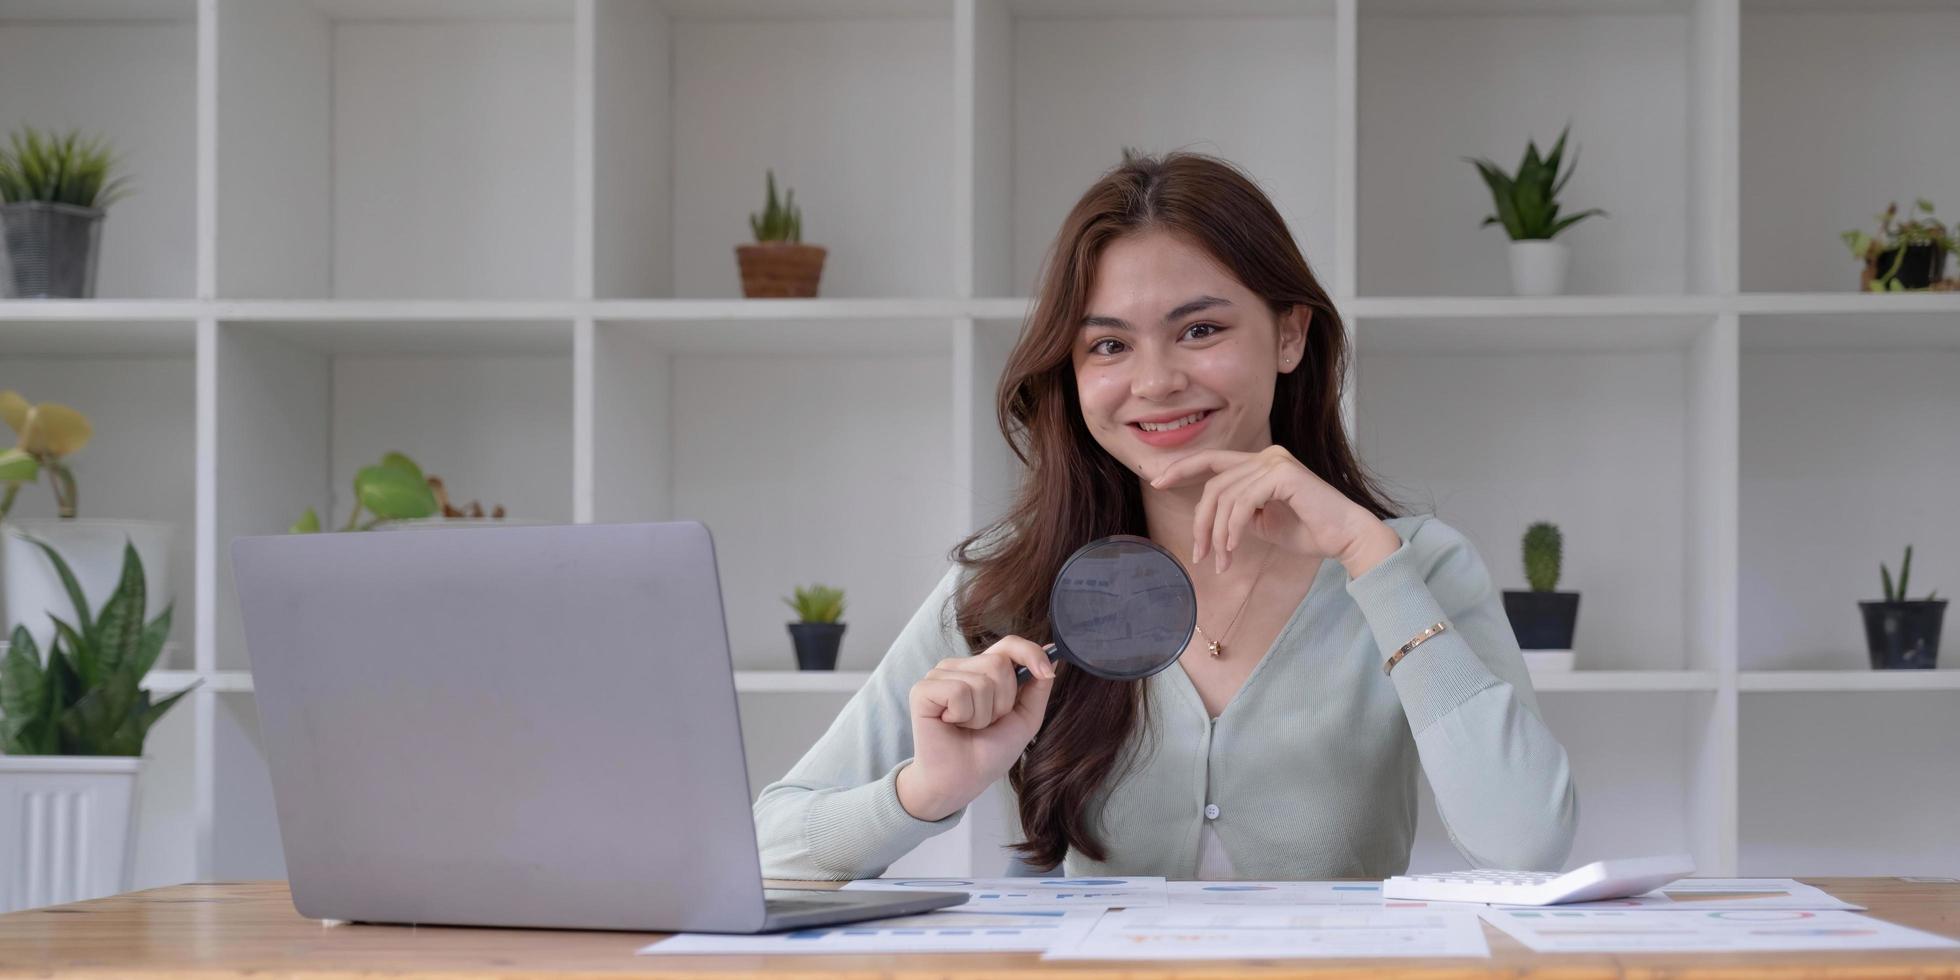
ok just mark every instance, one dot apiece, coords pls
pixel 1312 766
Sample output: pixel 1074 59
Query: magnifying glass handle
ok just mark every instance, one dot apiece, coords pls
pixel 1021 673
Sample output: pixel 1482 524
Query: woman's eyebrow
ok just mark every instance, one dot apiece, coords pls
pixel 1183 310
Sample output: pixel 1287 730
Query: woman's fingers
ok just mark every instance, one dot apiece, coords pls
pixel 1025 653
pixel 1205 536
pixel 1194 464
pixel 942 698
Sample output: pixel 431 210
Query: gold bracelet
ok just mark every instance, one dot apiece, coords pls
pixel 1411 645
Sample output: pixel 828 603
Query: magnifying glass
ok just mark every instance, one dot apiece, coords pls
pixel 1122 609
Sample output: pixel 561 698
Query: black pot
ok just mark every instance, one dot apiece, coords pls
pixel 816 644
pixel 1542 620
pixel 1924 265
pixel 50 250
pixel 1903 635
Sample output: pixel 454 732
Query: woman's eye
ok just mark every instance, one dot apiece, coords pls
pixel 1097 347
pixel 1211 328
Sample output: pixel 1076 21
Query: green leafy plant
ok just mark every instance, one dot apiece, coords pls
pixel 46 434
pixel 1544 549
pixel 59 169
pixel 1905 570
pixel 393 489
pixel 396 489
pixel 1918 228
pixel 86 699
pixel 1527 203
pixel 817 604
pixel 780 221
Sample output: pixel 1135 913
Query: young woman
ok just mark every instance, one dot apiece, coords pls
pixel 1180 378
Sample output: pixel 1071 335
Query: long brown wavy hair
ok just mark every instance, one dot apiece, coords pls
pixel 1073 491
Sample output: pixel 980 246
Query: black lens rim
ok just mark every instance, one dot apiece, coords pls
pixel 1054 596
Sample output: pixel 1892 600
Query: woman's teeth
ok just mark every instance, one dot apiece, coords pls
pixel 1173 424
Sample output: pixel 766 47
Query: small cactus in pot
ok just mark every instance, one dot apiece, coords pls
pixel 1543 618
pixel 778 264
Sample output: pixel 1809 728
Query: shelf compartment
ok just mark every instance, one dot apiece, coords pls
pixel 1060 89
pixel 125 71
pixel 1442 81
pixel 1839 472
pixel 404 150
pixel 1839 784
pixel 1845 107
pixel 302 406
pixel 140 464
pixel 757 434
pixel 850 104
pixel 1600 425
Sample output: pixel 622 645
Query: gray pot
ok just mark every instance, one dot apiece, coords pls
pixel 50 251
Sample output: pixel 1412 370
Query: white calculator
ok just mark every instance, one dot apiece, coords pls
pixel 1616 878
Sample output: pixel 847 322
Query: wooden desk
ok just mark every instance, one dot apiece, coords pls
pixel 235 929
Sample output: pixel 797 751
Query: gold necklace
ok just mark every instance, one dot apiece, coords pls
pixel 1217 647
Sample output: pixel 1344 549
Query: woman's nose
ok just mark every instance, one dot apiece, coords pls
pixel 1156 378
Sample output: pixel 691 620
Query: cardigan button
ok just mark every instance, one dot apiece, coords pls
pixel 1211 811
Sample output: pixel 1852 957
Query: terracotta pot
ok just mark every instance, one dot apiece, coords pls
pixel 779 269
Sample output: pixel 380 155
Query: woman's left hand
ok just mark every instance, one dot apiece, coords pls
pixel 1271 494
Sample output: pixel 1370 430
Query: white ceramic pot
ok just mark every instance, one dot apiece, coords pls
pixel 94 550
pixel 1538 267
pixel 67 828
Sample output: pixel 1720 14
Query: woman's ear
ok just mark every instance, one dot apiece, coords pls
pixel 1293 326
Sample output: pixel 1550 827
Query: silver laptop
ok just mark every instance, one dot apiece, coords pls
pixel 526 726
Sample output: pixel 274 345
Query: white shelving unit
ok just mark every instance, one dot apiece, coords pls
pixel 498 235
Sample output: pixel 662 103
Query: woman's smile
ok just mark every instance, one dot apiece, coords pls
pixel 1164 432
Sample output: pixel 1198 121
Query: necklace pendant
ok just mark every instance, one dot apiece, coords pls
pixel 1214 646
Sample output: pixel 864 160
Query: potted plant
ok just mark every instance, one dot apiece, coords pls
pixel 1902 633
pixel 1542 618
pixel 1527 207
pixel 399 494
pixel 778 264
pixel 55 190
pixel 819 633
pixel 47 435
pixel 71 739
pixel 1908 254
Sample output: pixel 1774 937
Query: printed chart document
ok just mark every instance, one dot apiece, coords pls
pixel 930 932
pixel 1710 894
pixel 1200 932
pixel 1557 929
pixel 1364 893
pixel 1023 894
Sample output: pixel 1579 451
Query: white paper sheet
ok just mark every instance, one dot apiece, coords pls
pixel 931 932
pixel 1024 894
pixel 1719 894
pixel 1364 893
pixel 1562 930
pixel 1220 932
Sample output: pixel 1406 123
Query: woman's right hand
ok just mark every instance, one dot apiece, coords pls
pixel 970 720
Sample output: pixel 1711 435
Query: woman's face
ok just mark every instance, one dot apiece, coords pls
pixel 1170 335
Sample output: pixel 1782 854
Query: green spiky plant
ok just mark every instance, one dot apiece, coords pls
pixel 59 169
pixel 1527 202
pixel 1905 570
pixel 1544 549
pixel 817 604
pixel 780 221
pixel 86 699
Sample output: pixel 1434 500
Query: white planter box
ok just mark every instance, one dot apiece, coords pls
pixel 66 828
